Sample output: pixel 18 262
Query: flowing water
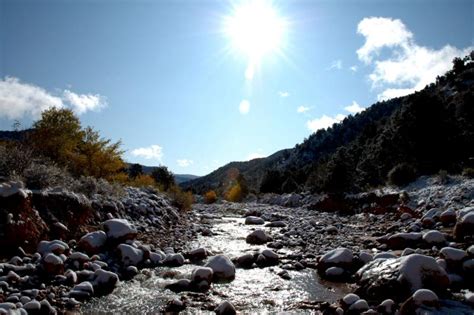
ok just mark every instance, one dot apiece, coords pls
pixel 252 290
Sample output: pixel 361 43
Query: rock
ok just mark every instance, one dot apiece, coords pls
pixel 365 257
pixel 398 278
pixel 174 260
pixel 53 264
pixel 130 255
pixel 197 254
pixel 157 257
pixel 339 257
pixel 175 306
pixel 385 255
pixel 276 224
pixel 331 229
pixel 267 258
pixel 46 308
pixel 359 306
pixel 284 274
pixel 257 237
pixel 434 237
pixel 350 299
pixel 82 291
pixel 32 307
pixel 421 297
pixel 93 242
pixel 104 282
pixel 334 272
pixel 223 268
pixel 251 220
pixel 386 307
pixel 225 308
pixel 465 224
pixel 180 286
pixel 448 217
pixel 56 247
pixel 453 257
pixel 246 261
pixel 404 240
pixel 202 274
pixel 119 230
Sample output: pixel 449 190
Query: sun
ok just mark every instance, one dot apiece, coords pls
pixel 255 29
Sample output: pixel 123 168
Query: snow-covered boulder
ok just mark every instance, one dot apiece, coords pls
pixel 339 257
pixel 57 247
pixel 53 264
pixel 129 255
pixel 222 267
pixel 104 281
pixel 400 277
pixel 93 242
pixel 119 230
pixel 82 291
pixel 434 237
pixel 257 237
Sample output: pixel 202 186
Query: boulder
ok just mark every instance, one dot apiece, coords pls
pixel 246 261
pixel 448 217
pixel 257 237
pixel 93 242
pixel 119 230
pixel 267 258
pixel 398 278
pixel 180 286
pixel 339 257
pixel 104 282
pixel 404 240
pixel 52 264
pixel 82 291
pixel 197 254
pixel 225 308
pixel 174 260
pixel 465 224
pixel 129 255
pixel 276 224
pixel 434 237
pixel 202 274
pixel 251 220
pixel 222 267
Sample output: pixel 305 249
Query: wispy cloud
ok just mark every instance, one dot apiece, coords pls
pixel 19 100
pixel 255 155
pixel 153 152
pixel 302 109
pixel 244 107
pixel 184 162
pixel 410 66
pixel 354 108
pixel 336 64
pixel 283 93
pixel 354 68
pixel 323 122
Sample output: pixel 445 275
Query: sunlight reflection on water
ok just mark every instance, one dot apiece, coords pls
pixel 252 290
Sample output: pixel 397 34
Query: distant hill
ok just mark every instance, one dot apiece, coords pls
pixel 179 178
pixel 427 131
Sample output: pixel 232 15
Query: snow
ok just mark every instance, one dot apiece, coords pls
pixel 424 296
pixel 434 237
pixel 56 246
pixel 119 229
pixel 453 254
pixel 350 298
pixel 415 269
pixel 130 255
pixel 79 256
pixel 337 256
pixel 10 188
pixel 222 267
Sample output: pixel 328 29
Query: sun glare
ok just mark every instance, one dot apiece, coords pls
pixel 255 29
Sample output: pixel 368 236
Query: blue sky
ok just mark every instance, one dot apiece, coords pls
pixel 166 79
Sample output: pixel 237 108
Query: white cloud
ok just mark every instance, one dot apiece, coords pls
pixel 255 155
pixel 249 72
pixel 354 68
pixel 323 122
pixel 244 107
pixel 82 103
pixel 184 162
pixel 18 99
pixel 152 152
pixel 283 93
pixel 409 67
pixel 354 108
pixel 336 64
pixel 302 109
pixel 381 32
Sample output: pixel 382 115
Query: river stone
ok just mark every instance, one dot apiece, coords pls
pixel 339 257
pixel 174 260
pixel 53 264
pixel 223 268
pixel 398 278
pixel 93 242
pixel 246 261
pixel 257 237
pixel 225 308
pixel 197 254
pixel 404 240
pixel 251 220
pixel 130 255
pixel 119 230
pixel 104 281
pixel 202 274
pixel 276 224
pixel 465 225
pixel 180 286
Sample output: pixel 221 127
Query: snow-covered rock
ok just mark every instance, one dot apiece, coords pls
pixel 53 264
pixel 130 255
pixel 57 247
pixel 452 255
pixel 104 281
pixel 425 296
pixel 93 242
pixel 222 267
pixel 119 230
pixel 434 237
